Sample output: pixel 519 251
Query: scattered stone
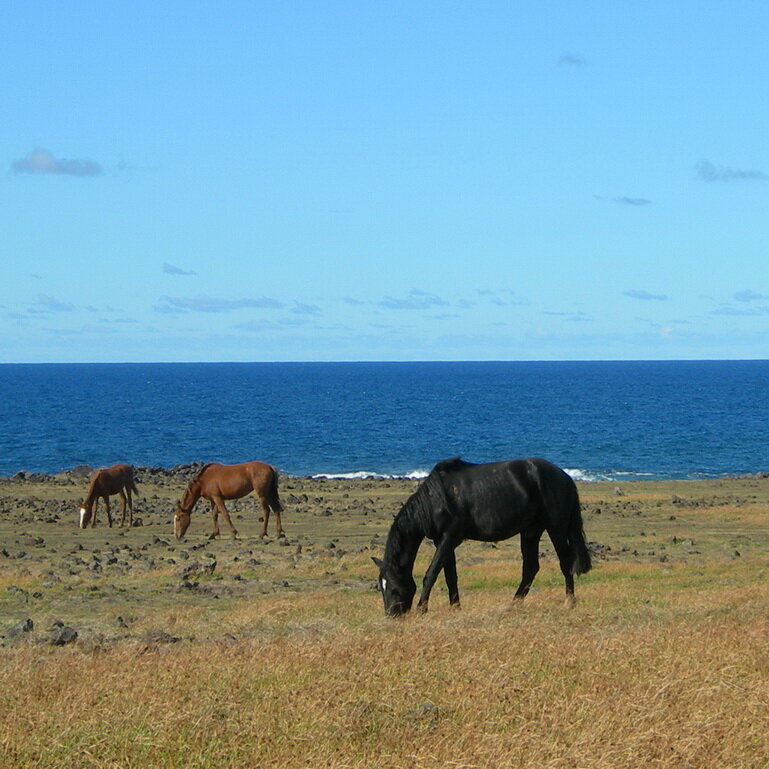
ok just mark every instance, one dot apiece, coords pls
pixel 62 634
pixel 25 626
pixel 160 637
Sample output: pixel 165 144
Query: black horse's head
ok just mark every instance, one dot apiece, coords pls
pixel 397 590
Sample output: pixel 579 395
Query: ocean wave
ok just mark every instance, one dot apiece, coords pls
pixel 586 475
pixel 583 476
pixel 414 475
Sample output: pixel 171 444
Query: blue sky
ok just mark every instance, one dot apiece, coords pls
pixel 384 181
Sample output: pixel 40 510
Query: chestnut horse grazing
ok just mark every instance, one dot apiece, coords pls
pixel 118 479
pixel 216 482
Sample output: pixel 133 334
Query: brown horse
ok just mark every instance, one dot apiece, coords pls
pixel 216 482
pixel 118 479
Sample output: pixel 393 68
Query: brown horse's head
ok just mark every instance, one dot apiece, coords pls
pixel 181 522
pixel 85 515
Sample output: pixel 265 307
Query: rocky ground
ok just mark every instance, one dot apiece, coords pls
pixel 59 583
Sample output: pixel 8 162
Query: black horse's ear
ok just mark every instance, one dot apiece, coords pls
pixel 379 563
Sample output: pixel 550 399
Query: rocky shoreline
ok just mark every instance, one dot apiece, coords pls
pixel 187 471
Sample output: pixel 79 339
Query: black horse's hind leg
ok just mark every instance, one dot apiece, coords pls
pixel 530 554
pixel 566 560
pixel 450 572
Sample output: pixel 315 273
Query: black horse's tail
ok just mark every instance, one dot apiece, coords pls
pixel 271 495
pixel 582 563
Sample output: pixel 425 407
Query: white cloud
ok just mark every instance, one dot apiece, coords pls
pixel 645 296
pixel 415 300
pixel 170 304
pixel 41 161
pixel 708 172
pixel 172 269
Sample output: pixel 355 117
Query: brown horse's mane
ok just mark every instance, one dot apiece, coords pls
pixel 202 470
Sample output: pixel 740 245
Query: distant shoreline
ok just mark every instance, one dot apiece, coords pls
pixel 156 474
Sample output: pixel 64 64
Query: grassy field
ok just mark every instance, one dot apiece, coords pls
pixel 277 654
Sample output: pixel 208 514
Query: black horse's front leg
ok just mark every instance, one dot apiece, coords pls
pixel 450 573
pixel 444 553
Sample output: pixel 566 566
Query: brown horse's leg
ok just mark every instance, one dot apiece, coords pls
pixel 223 510
pixel 266 517
pixel 215 516
pixel 123 504
pixel 95 509
pixel 109 514
pixel 279 524
pixel 130 507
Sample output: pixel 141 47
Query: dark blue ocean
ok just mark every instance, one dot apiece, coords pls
pixel 616 420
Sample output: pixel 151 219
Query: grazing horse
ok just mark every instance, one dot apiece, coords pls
pixel 118 479
pixel 216 482
pixel 488 502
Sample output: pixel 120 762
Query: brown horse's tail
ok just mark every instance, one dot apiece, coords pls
pixel 271 493
pixel 131 483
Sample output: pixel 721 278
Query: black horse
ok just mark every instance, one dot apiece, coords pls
pixel 458 501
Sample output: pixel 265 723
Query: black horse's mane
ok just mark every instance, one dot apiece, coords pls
pixel 411 520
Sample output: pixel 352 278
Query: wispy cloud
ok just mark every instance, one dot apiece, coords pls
pixel 255 326
pixel 172 269
pixel 415 300
pixel 41 161
pixel 627 201
pixel 645 296
pixel 574 317
pixel 707 172
pixel 728 310
pixel 504 297
pixel 571 60
pixel 171 304
pixel 49 304
pixel 749 296
pixel 306 309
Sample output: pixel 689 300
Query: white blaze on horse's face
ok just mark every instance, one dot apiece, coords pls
pixel 83 521
pixel 383 584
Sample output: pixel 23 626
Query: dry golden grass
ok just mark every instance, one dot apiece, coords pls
pixel 662 664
